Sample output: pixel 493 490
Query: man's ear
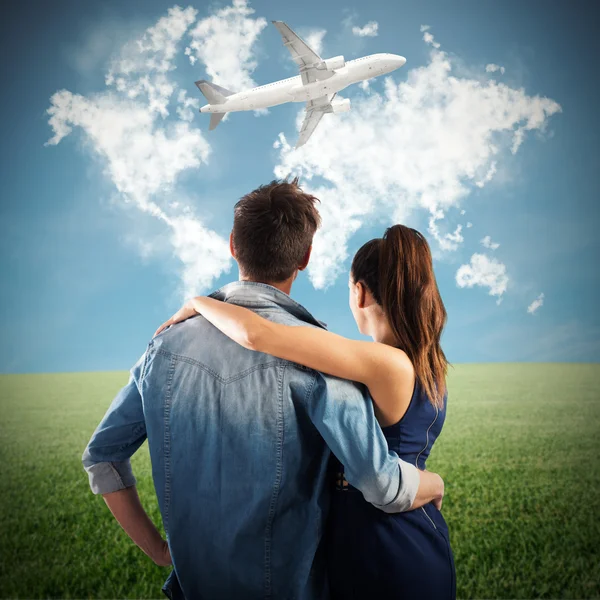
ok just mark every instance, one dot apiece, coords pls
pixel 305 260
pixel 231 248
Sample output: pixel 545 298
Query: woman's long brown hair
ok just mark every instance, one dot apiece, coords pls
pixel 398 270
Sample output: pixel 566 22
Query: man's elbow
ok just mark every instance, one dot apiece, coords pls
pixel 377 490
pixel 406 492
pixel 86 458
pixel 107 476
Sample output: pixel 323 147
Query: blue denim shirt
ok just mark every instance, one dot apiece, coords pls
pixel 240 443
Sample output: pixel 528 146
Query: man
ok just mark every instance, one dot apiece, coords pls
pixel 239 440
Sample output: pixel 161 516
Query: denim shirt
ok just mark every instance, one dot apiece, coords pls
pixel 239 443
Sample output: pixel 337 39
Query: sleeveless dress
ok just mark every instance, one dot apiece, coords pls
pixel 372 554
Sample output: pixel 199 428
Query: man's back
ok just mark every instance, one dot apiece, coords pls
pixel 240 443
pixel 238 465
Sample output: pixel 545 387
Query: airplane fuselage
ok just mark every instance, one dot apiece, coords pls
pixel 292 89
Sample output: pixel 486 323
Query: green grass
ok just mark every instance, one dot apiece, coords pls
pixel 519 454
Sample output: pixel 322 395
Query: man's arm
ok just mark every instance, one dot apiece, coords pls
pixel 127 509
pixel 106 459
pixel 343 413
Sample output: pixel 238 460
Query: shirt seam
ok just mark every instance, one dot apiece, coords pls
pixel 208 370
pixel 277 484
pixel 167 443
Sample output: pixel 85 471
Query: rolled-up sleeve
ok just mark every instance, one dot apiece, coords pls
pixel 409 486
pixel 343 413
pixel 120 433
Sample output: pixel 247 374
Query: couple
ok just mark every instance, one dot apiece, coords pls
pixel 289 462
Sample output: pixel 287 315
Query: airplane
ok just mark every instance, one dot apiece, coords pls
pixel 318 84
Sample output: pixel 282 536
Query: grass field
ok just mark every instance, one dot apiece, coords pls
pixel 519 455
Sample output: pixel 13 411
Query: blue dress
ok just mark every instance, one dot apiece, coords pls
pixel 372 554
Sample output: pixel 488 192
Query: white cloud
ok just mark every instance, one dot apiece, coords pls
pixel 192 58
pixel 425 28
pixel 441 134
pixel 429 39
pixel 485 272
pixel 492 68
pixel 368 30
pixel 186 107
pixel 518 138
pixel 488 176
pixel 144 152
pixel 539 301
pixel 446 241
pixel 204 253
pixel 314 38
pixel 224 42
pixel 487 243
pixel 469 225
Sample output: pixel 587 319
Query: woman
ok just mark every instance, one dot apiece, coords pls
pixel 394 299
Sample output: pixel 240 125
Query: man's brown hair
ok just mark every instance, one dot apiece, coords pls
pixel 273 228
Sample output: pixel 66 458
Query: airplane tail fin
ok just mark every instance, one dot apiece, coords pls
pixel 215 94
pixel 215 119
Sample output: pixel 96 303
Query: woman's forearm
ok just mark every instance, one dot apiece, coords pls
pixel 239 323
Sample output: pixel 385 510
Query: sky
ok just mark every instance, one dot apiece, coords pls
pixel 117 201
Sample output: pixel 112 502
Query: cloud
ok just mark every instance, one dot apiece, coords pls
pixel 368 30
pixel 142 150
pixel 187 106
pixel 485 272
pixel 489 175
pixel 487 243
pixel 429 39
pixel 314 38
pixel 539 301
pixel 442 135
pixel 188 52
pixel 446 241
pixel 224 42
pixel 492 68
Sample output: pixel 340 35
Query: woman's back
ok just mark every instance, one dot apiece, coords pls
pixel 414 435
pixel 407 555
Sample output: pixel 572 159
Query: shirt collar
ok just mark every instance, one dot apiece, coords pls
pixel 253 292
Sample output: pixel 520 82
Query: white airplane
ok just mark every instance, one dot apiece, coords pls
pixel 317 85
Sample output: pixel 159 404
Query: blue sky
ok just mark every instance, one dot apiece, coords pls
pixel 488 130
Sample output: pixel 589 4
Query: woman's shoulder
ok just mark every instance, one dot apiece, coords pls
pixel 400 362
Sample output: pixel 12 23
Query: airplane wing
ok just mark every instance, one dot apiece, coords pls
pixel 315 109
pixel 302 54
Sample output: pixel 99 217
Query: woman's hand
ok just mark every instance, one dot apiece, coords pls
pixel 185 312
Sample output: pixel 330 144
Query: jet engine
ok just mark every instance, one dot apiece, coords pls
pixel 340 106
pixel 331 64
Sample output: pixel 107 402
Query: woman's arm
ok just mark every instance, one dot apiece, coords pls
pixel 386 371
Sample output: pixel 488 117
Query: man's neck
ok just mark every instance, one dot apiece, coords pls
pixel 283 286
